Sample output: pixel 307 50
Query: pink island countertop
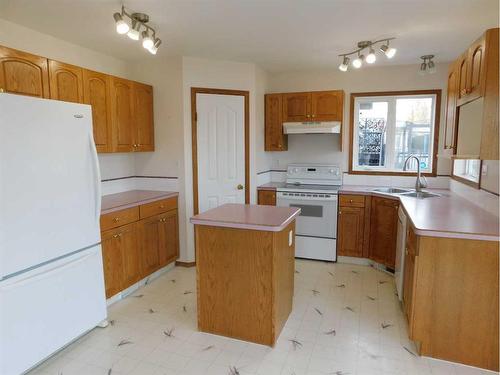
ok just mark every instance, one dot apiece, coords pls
pixel 447 215
pixel 246 216
pixel 132 198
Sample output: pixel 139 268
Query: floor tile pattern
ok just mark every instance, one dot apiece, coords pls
pixel 346 319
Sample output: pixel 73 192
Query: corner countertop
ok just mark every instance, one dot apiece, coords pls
pixel 245 216
pixel 271 186
pixel 132 198
pixel 448 215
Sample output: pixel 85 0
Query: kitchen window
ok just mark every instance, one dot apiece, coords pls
pixel 386 128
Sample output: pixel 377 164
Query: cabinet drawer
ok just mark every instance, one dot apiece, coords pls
pixel 158 207
pixel 352 200
pixel 119 218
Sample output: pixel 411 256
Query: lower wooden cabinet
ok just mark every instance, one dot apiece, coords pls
pixel 350 231
pixel 133 251
pixel 266 197
pixel 383 230
pixel 367 227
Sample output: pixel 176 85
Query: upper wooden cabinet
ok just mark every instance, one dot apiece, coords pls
pixel 327 105
pixel 275 140
pixel 472 76
pixel 23 73
pixel 313 106
pixel 122 110
pixel 121 114
pixel 143 117
pixel 96 92
pixel 66 82
pixel 296 107
pixel 451 107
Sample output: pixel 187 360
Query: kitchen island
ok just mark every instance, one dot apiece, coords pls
pixel 245 257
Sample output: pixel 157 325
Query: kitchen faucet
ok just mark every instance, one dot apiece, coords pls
pixel 420 183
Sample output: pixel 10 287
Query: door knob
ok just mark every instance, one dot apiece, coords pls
pixel 239 187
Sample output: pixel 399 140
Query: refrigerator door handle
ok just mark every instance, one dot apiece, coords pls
pixel 97 178
pixel 46 273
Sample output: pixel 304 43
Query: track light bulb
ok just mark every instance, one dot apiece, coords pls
pixel 371 58
pixel 121 26
pixel 388 51
pixel 431 66
pixel 154 48
pixel 345 64
pixel 147 41
pixel 358 62
pixel 133 33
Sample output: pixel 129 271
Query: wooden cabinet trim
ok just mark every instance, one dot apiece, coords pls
pixel 66 82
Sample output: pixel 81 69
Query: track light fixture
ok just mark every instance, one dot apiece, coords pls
pixel 427 66
pixel 371 57
pixel 138 22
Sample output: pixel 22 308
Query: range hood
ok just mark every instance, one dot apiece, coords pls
pixel 326 127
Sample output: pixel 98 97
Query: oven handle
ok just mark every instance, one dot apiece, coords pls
pixel 281 195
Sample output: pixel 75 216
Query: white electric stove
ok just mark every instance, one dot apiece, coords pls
pixel 313 188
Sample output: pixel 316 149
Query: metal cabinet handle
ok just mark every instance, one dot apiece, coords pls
pixel 162 206
pixel 115 235
pixel 116 219
pixel 350 200
pixel 239 187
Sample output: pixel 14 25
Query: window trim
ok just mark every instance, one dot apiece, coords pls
pixel 437 123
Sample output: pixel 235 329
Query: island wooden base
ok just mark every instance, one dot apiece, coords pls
pixel 245 281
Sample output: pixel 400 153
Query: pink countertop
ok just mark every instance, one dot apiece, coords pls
pixel 132 198
pixel 448 215
pixel 245 216
pixel 271 186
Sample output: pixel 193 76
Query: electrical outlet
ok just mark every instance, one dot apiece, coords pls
pixel 290 238
pixel 484 170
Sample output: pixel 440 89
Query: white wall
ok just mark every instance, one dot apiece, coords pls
pixel 22 38
pixel 326 149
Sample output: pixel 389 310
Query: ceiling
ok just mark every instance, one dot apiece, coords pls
pixel 279 35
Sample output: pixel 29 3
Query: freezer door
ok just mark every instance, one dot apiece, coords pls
pixel 49 181
pixel 45 309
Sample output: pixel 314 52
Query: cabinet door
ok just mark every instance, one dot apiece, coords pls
pixel 275 140
pixel 66 82
pixel 131 255
pixel 350 231
pixel 297 107
pixel 169 238
pixel 327 105
pixel 112 261
pixel 266 197
pixel 121 100
pixel 383 230
pixel 451 109
pixel 150 244
pixel 476 69
pixel 23 73
pixel 96 94
pixel 462 67
pixel 143 117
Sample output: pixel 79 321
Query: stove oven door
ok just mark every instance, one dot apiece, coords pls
pixel 318 216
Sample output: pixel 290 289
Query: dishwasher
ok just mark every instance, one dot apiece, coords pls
pixel 400 252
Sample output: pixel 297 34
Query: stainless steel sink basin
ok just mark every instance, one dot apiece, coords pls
pixel 390 190
pixel 421 194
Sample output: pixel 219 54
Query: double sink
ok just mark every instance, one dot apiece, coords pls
pixel 406 192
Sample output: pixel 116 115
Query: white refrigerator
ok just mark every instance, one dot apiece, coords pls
pixel 51 275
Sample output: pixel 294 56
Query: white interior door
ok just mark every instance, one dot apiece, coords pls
pixel 221 150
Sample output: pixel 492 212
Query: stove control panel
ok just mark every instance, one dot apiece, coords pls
pixel 314 173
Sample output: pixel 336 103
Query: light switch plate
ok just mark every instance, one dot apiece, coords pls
pixel 290 238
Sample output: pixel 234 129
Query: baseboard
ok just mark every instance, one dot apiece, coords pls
pixel 178 263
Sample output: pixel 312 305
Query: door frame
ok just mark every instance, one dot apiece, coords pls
pixel 194 138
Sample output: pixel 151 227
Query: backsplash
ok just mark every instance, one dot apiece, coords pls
pixel 487 201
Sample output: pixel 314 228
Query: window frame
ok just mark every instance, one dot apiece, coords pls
pixel 381 94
